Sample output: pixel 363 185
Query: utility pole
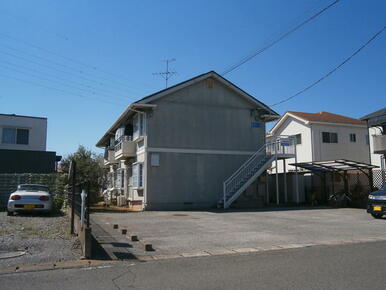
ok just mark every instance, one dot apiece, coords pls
pixel 167 74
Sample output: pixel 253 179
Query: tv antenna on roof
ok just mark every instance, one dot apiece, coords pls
pixel 167 74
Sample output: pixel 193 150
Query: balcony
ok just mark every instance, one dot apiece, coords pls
pixel 379 142
pixel 109 157
pixel 124 148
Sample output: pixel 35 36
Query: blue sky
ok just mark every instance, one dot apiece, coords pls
pixel 79 63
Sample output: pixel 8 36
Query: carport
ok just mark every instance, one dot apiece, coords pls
pixel 337 167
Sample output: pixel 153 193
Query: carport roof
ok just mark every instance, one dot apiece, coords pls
pixel 334 165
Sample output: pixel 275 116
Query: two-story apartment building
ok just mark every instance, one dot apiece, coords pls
pixel 23 145
pixel 324 136
pixel 174 148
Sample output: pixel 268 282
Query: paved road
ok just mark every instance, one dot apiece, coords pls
pixel 354 266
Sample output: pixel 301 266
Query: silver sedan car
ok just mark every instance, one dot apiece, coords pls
pixel 30 197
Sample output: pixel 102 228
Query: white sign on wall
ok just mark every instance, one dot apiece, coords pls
pixel 154 159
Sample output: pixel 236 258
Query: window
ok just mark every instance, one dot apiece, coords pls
pixel 22 136
pixel 9 136
pixel 298 139
pixel 138 126
pixel 353 138
pixel 138 175
pixel 15 136
pixel 328 137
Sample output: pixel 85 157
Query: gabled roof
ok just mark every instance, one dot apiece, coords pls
pixel 210 74
pixel 379 113
pixel 320 117
pixel 327 117
pixel 377 118
pixel 146 101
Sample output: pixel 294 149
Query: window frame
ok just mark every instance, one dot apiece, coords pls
pixel 353 137
pixel 17 131
pixel 137 175
pixel 330 137
pixel 297 138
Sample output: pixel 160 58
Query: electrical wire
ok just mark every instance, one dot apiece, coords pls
pixel 261 50
pixel 333 70
pixel 92 67
pixel 57 82
pixel 93 89
pixel 57 89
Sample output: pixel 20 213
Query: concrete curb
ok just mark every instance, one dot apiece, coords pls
pixel 233 251
pixel 53 266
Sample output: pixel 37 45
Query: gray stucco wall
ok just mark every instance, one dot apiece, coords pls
pixel 198 117
pixel 204 118
pixel 189 181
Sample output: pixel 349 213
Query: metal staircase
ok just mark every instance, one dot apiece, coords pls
pixel 257 164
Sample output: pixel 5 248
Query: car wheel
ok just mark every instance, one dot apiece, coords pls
pixel 377 215
pixel 9 213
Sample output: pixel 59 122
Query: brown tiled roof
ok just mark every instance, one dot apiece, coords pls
pixel 327 118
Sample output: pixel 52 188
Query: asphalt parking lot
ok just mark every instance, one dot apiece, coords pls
pixel 189 232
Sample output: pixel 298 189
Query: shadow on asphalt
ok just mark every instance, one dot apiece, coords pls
pixel 107 247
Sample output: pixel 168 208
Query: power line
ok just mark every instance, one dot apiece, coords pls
pixel 109 93
pixel 333 70
pixel 261 50
pixel 56 89
pixel 58 64
pixel 93 67
pixel 59 82
pixel 54 68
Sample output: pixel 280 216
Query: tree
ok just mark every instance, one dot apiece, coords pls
pixel 89 168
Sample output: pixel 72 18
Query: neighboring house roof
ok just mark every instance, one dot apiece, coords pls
pixel 21 116
pixel 377 118
pixel 327 117
pixel 145 102
pixel 320 117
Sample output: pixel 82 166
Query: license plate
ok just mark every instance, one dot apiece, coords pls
pixel 29 206
pixel 377 208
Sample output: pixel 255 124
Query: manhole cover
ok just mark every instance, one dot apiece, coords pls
pixel 8 255
pixel 180 214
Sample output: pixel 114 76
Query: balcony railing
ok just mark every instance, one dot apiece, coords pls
pixel 109 156
pixel 120 140
pixel 379 142
pixel 124 147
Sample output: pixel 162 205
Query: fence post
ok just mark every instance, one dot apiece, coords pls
pixel 72 176
pixel 83 196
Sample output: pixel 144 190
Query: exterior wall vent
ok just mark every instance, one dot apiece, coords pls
pixel 209 83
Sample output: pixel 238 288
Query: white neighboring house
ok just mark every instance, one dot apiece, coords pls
pixel 375 158
pixel 324 136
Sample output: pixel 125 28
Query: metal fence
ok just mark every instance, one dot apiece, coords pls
pixel 79 207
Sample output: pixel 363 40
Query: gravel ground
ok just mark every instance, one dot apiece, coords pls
pixel 43 238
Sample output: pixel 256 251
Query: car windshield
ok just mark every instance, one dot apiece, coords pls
pixel 33 187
